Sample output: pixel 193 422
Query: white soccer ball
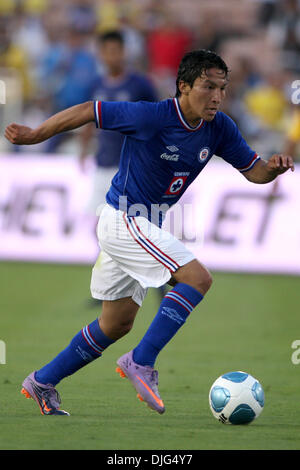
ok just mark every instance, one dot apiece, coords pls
pixel 236 398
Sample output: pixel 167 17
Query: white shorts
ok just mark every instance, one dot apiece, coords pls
pixel 136 255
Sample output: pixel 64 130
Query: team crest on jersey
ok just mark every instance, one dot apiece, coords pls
pixel 203 154
pixel 176 185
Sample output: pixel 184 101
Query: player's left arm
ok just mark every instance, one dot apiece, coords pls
pixel 265 171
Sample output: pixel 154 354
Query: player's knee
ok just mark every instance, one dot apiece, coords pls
pixel 124 327
pixel 203 282
pixel 196 275
pixel 208 281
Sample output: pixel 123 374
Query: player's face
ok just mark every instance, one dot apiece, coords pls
pixel 204 98
pixel 112 55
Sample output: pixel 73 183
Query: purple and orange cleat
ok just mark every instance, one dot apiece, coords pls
pixel 46 396
pixel 144 379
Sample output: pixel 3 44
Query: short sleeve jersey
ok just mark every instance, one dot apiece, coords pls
pixel 132 87
pixel 162 154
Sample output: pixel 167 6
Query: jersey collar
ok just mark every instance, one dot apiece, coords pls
pixel 182 120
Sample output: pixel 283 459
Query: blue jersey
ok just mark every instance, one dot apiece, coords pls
pixel 162 154
pixel 131 87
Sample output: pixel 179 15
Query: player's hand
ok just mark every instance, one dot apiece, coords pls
pixel 280 163
pixel 20 135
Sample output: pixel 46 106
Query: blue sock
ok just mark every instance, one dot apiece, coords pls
pixel 172 314
pixel 86 346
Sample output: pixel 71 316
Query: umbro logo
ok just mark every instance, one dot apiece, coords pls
pixel 85 356
pixel 173 315
pixel 172 148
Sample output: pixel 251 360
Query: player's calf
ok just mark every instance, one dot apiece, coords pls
pixel 117 317
pixel 174 309
pixel 173 312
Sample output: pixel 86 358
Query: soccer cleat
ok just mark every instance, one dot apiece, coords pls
pixel 144 379
pixel 46 396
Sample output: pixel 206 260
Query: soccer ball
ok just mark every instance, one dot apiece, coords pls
pixel 236 398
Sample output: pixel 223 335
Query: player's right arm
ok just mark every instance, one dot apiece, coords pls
pixel 66 120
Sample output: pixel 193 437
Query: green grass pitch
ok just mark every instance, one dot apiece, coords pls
pixel 246 322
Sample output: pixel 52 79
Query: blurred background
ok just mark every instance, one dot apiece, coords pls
pixel 51 58
pixel 41 41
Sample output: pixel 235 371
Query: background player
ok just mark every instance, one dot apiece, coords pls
pixel 116 83
pixel 138 254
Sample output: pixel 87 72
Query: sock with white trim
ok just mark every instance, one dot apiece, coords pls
pixel 84 348
pixel 172 314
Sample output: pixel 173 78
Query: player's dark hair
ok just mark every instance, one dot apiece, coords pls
pixel 113 35
pixel 195 63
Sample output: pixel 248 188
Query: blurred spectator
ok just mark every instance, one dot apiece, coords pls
pixel 125 17
pixel 82 16
pixel 166 45
pixel 29 33
pixel 134 42
pixel 67 71
pixel 68 67
pixel 107 15
pixel 244 77
pixel 209 35
pixel 51 46
pixel 34 7
pixel 284 29
pixel 266 12
pixel 14 57
pixel 268 102
pixel 292 142
pixel 7 7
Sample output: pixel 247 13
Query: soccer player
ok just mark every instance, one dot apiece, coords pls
pixel 167 145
